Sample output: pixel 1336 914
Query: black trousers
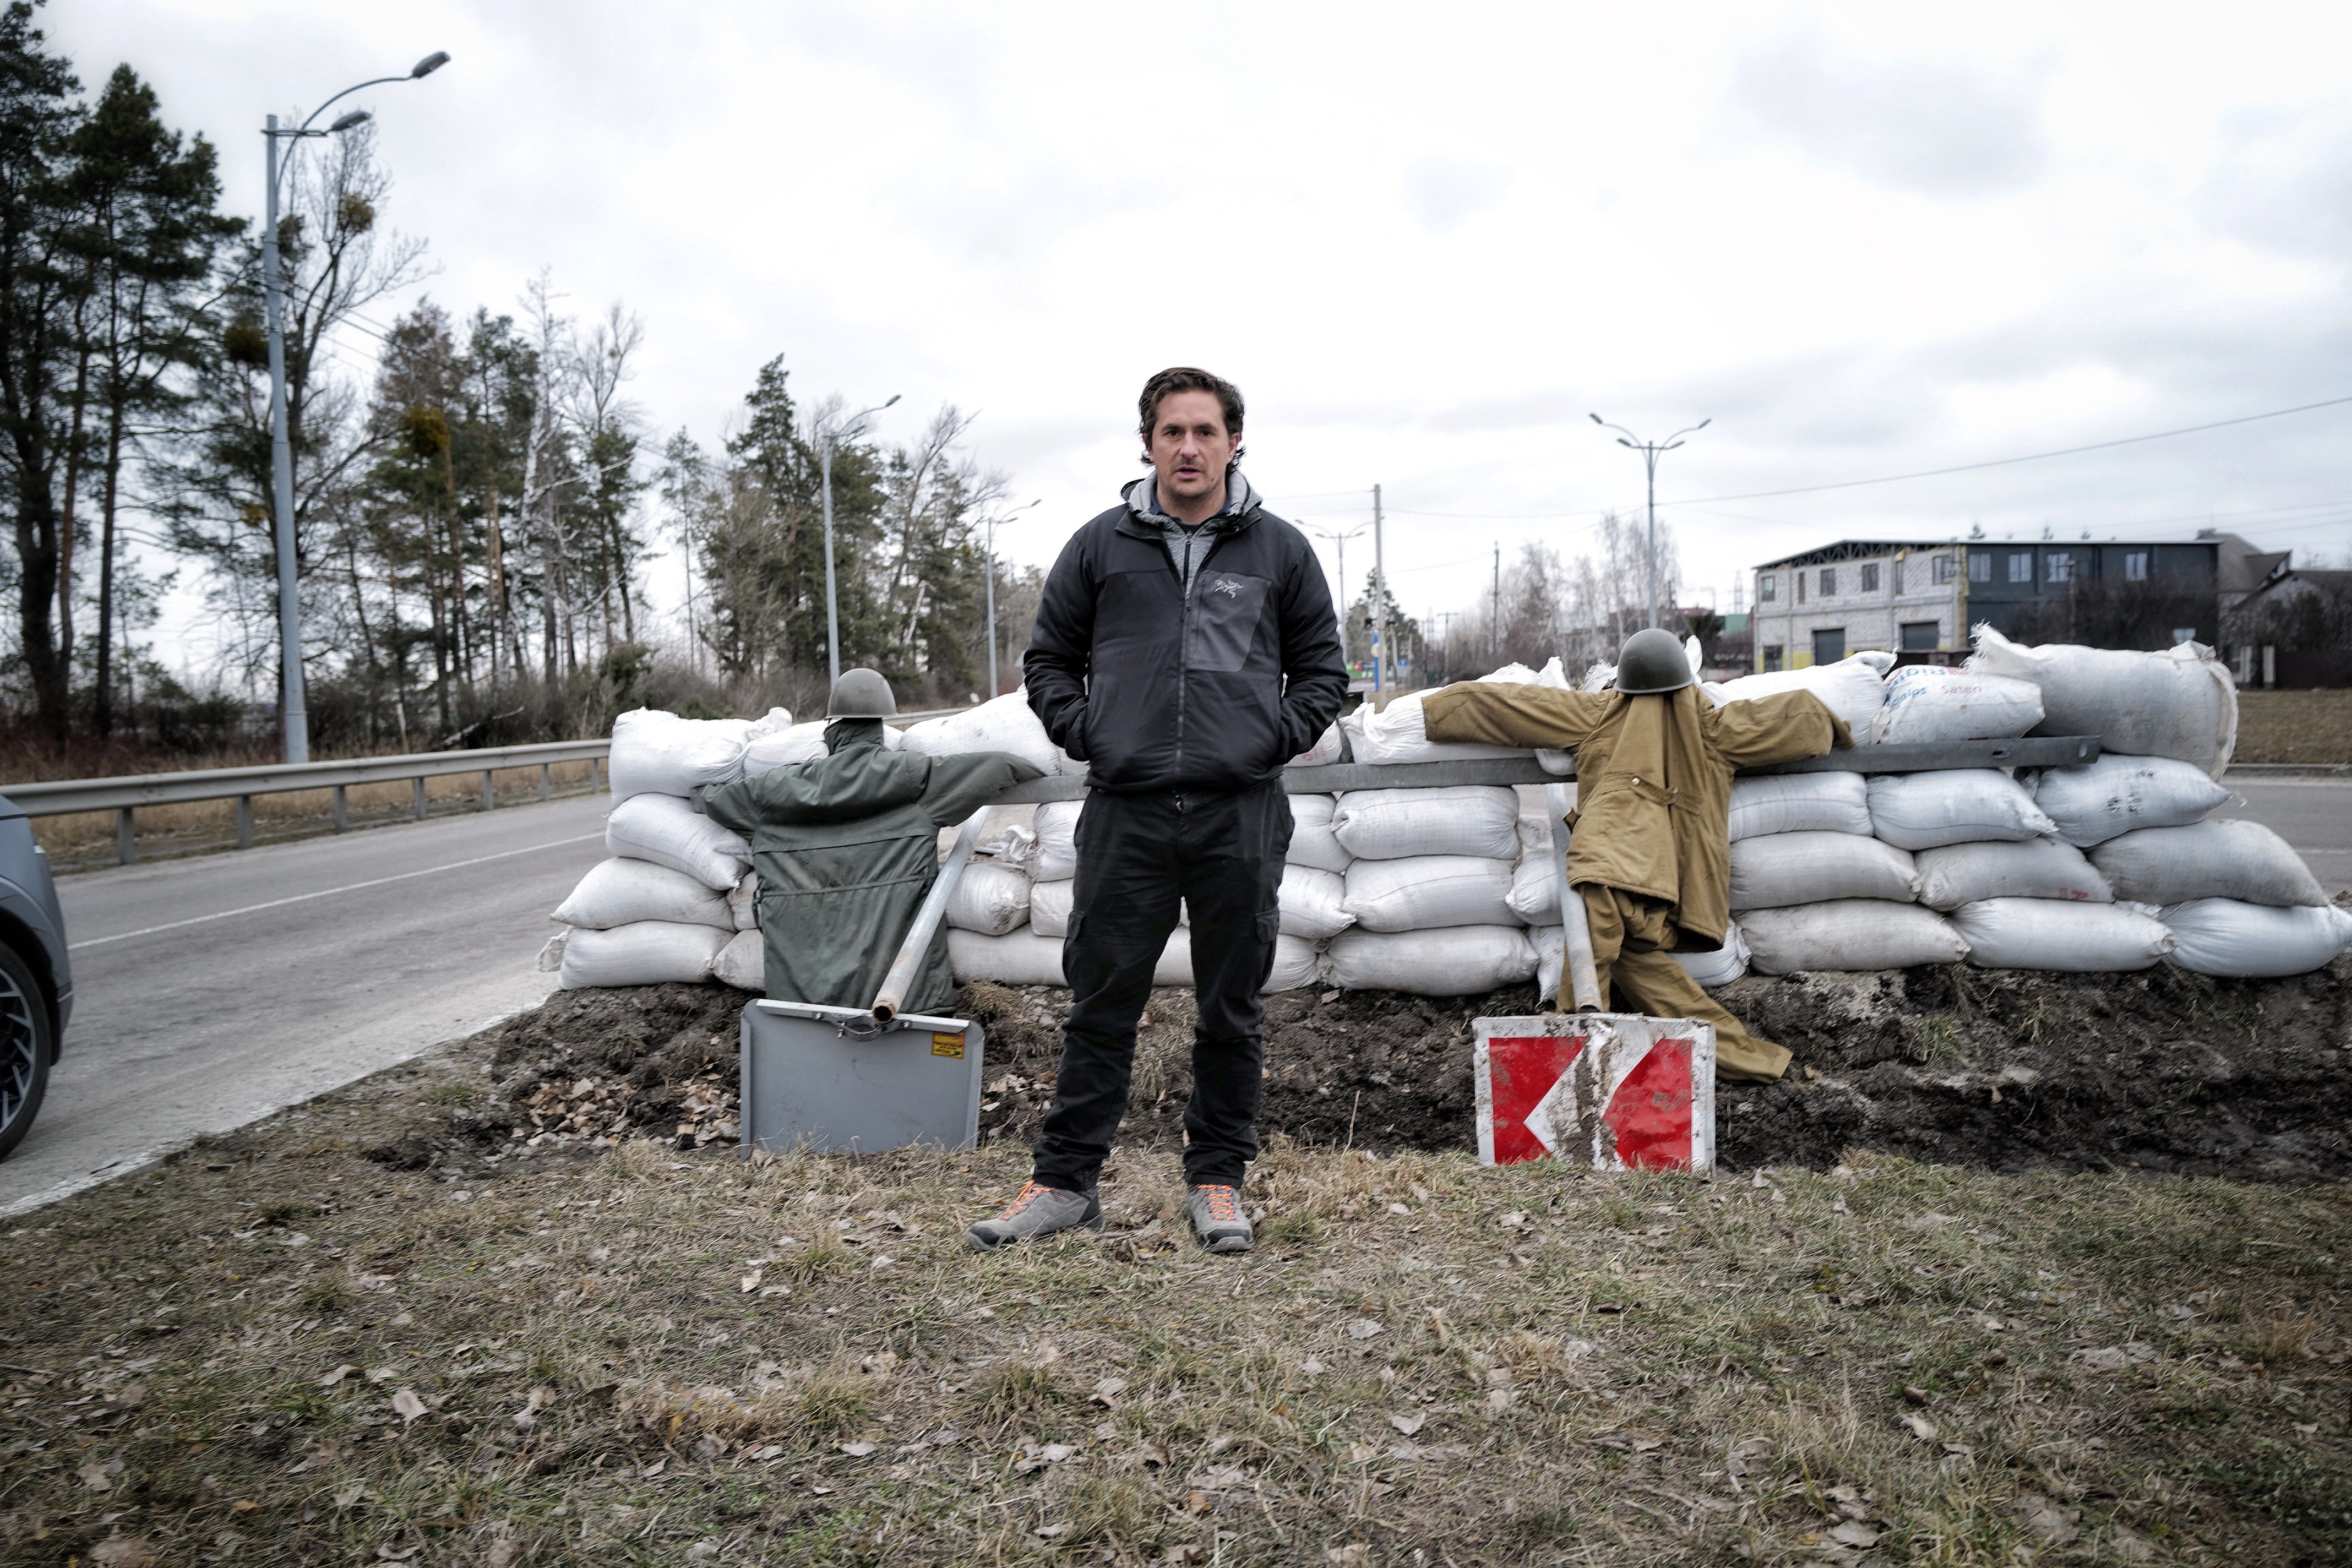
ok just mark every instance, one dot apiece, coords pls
pixel 1138 855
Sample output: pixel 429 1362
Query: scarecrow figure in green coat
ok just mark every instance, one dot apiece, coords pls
pixel 846 847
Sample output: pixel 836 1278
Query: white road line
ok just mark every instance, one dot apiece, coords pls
pixel 329 892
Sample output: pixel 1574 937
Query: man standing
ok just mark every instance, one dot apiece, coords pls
pixel 1184 650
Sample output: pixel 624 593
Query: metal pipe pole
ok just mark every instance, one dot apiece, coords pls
pixel 294 718
pixel 832 606
pixel 1649 461
pixel 992 609
pixel 1379 601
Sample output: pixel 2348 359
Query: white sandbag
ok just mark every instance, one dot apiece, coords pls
pixel 2255 941
pixel 1020 958
pixel 743 903
pixel 1396 824
pixel 1933 702
pixel 1398 734
pixel 1851 689
pixel 1328 747
pixel 649 952
pixel 2041 934
pixel 988 898
pixel 742 962
pixel 1057 828
pixel 2097 801
pixel 1175 965
pixel 1718 966
pixel 1313 903
pixel 1800 803
pixel 1428 892
pixel 796 744
pixel 2220 858
pixel 1461 961
pixel 1312 842
pixel 620 892
pixel 1551 956
pixel 1002 724
pixel 1013 845
pixel 1535 889
pixel 1049 907
pixel 1850 933
pixel 2181 702
pixel 1959 874
pixel 656 752
pixel 1782 868
pixel 1953 805
pixel 550 957
pixel 668 831
pixel 1297 963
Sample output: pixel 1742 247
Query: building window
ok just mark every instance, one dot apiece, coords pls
pixel 1870 576
pixel 1767 587
pixel 1828 645
pixel 2135 566
pixel 2020 566
pixel 2060 564
pixel 1940 570
pixel 1829 581
pixel 1898 576
pixel 1773 653
pixel 1800 578
pixel 1979 566
pixel 1922 636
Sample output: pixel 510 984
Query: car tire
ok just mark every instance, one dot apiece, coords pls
pixel 26 1044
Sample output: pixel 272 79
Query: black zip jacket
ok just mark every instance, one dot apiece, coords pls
pixel 1158 689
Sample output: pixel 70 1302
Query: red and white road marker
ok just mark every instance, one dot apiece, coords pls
pixel 1617 1092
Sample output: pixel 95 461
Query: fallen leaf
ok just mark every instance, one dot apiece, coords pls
pixel 1108 1389
pixel 750 1282
pixel 1055 1453
pixel 1051 1531
pixel 1921 1427
pixel 1853 1532
pixel 120 1550
pixel 857 1450
pixel 407 1407
pixel 2131 1548
pixel 336 1376
pixel 349 1495
pixel 1310 1366
pixel 2107 1358
pixel 1399 1208
pixel 99 1478
pixel 244 1506
pixel 709 1446
pixel 1408 1424
pixel 1364 1329
pixel 1355 1555
pixel 1499 1400
pixel 2054 1524
pixel 501 1552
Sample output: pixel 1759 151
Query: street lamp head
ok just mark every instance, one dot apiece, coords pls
pixel 1597 420
pixel 1704 423
pixel 356 117
pixel 894 397
pixel 429 64
pixel 1623 442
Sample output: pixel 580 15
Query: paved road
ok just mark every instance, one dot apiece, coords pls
pixel 213 990
pixel 2314 814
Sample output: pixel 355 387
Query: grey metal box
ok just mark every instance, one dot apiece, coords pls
pixel 831 1079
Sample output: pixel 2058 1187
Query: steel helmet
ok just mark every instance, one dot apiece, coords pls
pixel 1652 662
pixel 861 694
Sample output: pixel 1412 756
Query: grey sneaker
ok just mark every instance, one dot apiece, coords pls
pixel 1218 1220
pixel 1038 1211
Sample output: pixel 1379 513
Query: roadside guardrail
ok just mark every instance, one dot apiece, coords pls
pixel 124 795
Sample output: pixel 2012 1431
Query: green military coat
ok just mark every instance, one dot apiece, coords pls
pixel 846 847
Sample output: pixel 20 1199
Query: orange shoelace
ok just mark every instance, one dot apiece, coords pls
pixel 1225 1204
pixel 1030 1192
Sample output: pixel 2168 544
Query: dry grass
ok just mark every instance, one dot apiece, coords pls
pixel 273 1352
pixel 87 838
pixel 2294 726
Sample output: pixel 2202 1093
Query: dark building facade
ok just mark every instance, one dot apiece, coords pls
pixel 2106 593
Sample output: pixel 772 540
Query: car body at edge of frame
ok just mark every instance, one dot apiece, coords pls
pixel 35 977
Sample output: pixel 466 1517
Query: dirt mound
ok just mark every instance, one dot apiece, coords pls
pixel 1999 1070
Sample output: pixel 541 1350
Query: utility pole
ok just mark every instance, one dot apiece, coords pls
pixel 1495 619
pixel 1650 450
pixel 1379 603
pixel 1339 541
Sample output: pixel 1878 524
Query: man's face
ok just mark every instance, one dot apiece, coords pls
pixel 1190 444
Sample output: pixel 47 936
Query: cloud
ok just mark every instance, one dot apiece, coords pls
pixel 1926 126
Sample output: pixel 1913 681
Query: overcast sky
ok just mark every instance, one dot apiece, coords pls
pixel 1425 240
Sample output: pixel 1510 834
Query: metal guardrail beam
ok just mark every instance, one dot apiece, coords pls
pixel 2037 752
pixel 123 795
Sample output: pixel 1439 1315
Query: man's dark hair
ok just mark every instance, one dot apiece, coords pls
pixel 1185 378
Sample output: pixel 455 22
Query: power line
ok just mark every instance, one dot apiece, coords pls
pixel 2027 457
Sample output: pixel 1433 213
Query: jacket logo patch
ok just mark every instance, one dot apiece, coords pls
pixel 1228 587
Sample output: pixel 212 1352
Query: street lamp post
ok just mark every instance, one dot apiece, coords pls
pixel 824 475
pixel 1339 542
pixel 1650 450
pixel 992 522
pixel 294 714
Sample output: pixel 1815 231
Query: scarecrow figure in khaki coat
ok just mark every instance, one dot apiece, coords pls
pixel 1651 855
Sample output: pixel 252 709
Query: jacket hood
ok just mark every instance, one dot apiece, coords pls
pixel 842 734
pixel 1241 501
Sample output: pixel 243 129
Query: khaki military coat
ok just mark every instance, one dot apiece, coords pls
pixel 1654 778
